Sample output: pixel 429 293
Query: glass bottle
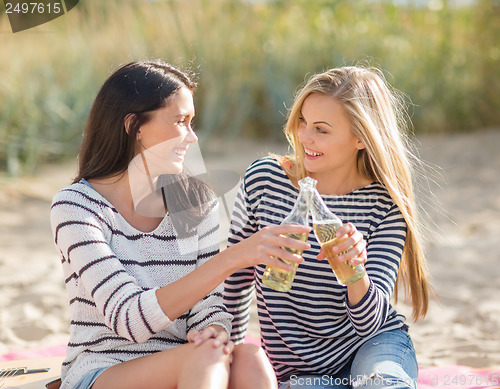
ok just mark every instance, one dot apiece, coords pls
pixel 274 277
pixel 325 225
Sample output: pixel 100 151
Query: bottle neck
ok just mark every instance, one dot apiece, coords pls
pixel 320 211
pixel 303 202
pixel 300 210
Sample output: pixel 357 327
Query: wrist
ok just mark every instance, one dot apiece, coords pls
pixel 357 290
pixel 227 262
pixel 217 328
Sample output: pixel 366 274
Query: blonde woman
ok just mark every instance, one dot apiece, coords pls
pixel 345 131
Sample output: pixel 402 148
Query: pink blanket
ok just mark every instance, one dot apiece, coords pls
pixel 45 352
pixel 442 377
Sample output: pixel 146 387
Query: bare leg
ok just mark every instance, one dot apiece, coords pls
pixel 183 367
pixel 205 369
pixel 251 369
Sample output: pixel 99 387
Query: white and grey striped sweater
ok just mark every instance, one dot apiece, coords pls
pixel 312 329
pixel 112 271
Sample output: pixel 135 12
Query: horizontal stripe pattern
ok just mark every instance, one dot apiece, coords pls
pixel 112 272
pixel 312 328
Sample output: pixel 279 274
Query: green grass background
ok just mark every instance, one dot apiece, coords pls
pixel 250 58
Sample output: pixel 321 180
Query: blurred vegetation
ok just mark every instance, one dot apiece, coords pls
pixel 250 58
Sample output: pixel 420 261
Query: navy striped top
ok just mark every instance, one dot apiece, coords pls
pixel 112 272
pixel 312 329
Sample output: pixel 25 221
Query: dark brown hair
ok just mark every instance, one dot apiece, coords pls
pixel 136 88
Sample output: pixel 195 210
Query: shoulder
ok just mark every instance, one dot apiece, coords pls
pixel 384 211
pixel 77 199
pixel 266 171
pixel 211 216
pixel 382 197
pixel 377 193
pixel 266 164
pixel 81 194
pixel 371 204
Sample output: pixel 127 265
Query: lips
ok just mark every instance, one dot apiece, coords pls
pixel 311 153
pixel 180 152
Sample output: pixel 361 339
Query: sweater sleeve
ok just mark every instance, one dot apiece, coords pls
pixel 210 310
pixel 384 249
pixel 238 288
pixel 82 234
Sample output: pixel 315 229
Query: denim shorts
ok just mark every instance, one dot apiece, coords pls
pixel 88 379
pixel 387 360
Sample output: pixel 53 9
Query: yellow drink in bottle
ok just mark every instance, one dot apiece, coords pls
pixel 345 272
pixel 280 279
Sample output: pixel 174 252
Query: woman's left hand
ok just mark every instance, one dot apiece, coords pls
pixel 215 332
pixel 352 245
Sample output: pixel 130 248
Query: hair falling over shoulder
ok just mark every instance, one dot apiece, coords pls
pixel 377 116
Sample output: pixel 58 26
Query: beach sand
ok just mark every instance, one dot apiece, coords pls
pixel 464 252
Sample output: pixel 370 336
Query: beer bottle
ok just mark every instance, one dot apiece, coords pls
pixel 325 225
pixel 279 279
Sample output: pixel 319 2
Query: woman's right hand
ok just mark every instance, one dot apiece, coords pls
pixel 266 246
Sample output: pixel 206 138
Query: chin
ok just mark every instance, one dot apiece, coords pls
pixel 177 170
pixel 310 167
pixel 173 168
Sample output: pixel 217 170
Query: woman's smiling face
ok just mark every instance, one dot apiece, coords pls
pixel 325 133
pixel 166 137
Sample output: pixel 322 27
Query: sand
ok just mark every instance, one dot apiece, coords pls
pixel 464 252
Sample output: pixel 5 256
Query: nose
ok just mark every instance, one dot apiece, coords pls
pixel 191 136
pixel 304 134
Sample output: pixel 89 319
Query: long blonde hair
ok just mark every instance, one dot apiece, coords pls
pixel 376 116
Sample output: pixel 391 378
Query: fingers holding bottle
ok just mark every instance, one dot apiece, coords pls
pixel 351 246
pixel 288 243
pixel 271 243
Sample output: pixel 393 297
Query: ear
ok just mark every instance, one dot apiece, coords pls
pixel 128 122
pixel 360 145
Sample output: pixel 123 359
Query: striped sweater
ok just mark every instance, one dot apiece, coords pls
pixel 111 273
pixel 312 329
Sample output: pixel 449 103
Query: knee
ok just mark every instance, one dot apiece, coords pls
pixel 207 354
pixel 204 366
pixel 252 359
pixel 250 354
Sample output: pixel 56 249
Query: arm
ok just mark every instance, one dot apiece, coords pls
pixel 368 300
pixel 384 249
pixel 210 310
pixel 238 288
pixel 94 273
pixel 263 247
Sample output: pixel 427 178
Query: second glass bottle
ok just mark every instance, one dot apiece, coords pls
pixel 325 225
